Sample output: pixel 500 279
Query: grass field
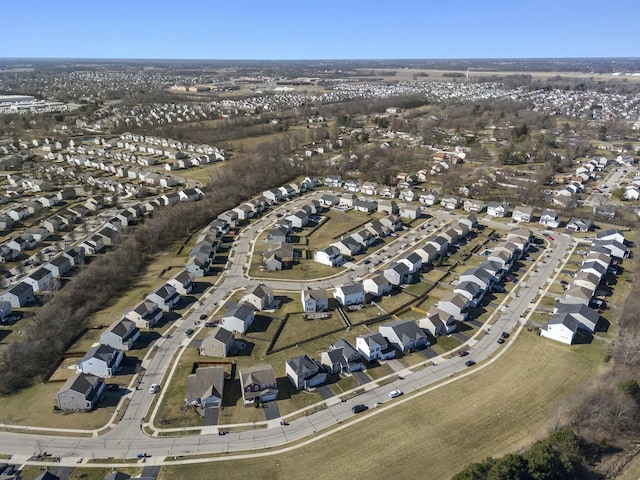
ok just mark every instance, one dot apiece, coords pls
pixel 516 398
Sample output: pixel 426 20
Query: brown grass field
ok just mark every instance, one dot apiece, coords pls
pixel 500 409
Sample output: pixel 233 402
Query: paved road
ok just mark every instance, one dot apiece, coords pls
pixel 126 439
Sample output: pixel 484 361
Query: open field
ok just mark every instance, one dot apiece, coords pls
pixel 500 391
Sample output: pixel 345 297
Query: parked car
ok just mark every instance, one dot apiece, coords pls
pixel 395 393
pixel 203 316
pixel 463 353
pixel 154 388
pixel 358 408
pixel 504 334
pixel 500 340
pixel 189 331
pixel 469 363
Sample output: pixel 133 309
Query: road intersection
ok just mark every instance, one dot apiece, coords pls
pixel 124 439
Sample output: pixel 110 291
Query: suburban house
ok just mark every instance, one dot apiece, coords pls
pixel 561 328
pixel 587 318
pixel 340 358
pixel 258 384
pixel 404 335
pixel 198 265
pixel 333 181
pixel 352 294
pixel 20 295
pixel 238 318
pixel 219 343
pixel 578 294
pixel 450 202
pixel 497 209
pixel 428 199
pixel 364 236
pixel 596 268
pixel 41 280
pixel 413 261
pixel 616 249
pixel 454 304
pixel 145 315
pixel 5 310
pixel 183 282
pixel 479 276
pixel 75 255
pixel 580 225
pixel 471 205
pixel 314 300
pixel 472 291
pixel 397 274
pixel 522 213
pixel 165 297
pixel 205 387
pixel 377 286
pixel 441 244
pixel 586 279
pixel 260 296
pixel 349 246
pixel 304 372
pixel 101 361
pixel 80 392
pixel 121 335
pixel 428 253
pixel 387 206
pixel 277 235
pixel 438 322
pixel 330 256
pixel 373 346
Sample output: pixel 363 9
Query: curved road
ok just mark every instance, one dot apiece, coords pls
pixel 126 438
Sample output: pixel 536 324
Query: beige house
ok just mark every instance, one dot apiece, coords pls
pixel 219 343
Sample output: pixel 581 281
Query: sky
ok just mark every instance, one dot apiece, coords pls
pixel 329 29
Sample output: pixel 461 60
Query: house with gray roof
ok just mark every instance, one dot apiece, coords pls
pixel 258 383
pixel 314 300
pixel 377 285
pixel 238 318
pixel 121 335
pixel 183 282
pixel 260 296
pixel 305 372
pixel 205 387
pixel 352 294
pixel 373 346
pixel 561 328
pixel 455 304
pixel 80 392
pixel 438 322
pixel 342 357
pixel 145 315
pixel 102 361
pixel 165 297
pixel 330 256
pixel 587 318
pixel 404 335
pixel 20 295
pixel 219 343
pixel 397 274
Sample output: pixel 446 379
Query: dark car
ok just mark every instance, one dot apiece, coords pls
pixel 469 363
pixel 188 331
pixel 504 334
pixel 500 340
pixel 222 432
pixel 358 408
pixel 203 316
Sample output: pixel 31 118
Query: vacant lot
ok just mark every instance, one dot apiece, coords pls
pixel 500 409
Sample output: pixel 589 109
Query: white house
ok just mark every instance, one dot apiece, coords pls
pixel 330 256
pixel 373 346
pixel 352 294
pixel 238 318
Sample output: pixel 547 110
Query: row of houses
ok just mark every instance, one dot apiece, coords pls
pixel 574 310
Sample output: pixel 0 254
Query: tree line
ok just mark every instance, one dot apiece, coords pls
pixel 57 324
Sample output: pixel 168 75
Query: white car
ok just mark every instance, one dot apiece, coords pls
pixel 395 393
pixel 154 388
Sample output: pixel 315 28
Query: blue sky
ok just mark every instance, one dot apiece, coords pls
pixel 331 29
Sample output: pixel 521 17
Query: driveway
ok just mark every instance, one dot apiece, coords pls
pixel 361 377
pixel 395 365
pixel 151 471
pixel 271 410
pixel 325 392
pixel 428 353
pixel 211 416
pixel 460 336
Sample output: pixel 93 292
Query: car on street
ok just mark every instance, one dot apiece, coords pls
pixel 500 340
pixel 359 408
pixel 203 316
pixel 222 432
pixel 504 334
pixel 469 363
pixel 395 393
pixel 154 388
pixel 463 353
pixel 551 238
pixel 188 331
